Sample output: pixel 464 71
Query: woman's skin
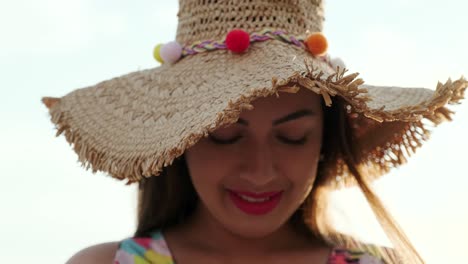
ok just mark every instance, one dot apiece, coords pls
pixel 274 147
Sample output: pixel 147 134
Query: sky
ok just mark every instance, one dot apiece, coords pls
pixel 51 207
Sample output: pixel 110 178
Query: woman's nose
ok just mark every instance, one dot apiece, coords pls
pixel 258 165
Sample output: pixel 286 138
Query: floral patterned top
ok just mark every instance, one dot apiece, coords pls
pixel 154 250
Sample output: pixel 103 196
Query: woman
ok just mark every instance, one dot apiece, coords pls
pixel 235 142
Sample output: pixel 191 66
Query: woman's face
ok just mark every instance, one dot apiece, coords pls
pixel 272 151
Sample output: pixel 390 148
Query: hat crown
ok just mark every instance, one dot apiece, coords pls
pixel 212 19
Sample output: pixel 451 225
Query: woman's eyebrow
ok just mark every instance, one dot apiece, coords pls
pixel 289 117
pixel 293 116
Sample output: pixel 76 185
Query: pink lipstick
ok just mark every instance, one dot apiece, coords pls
pixel 255 203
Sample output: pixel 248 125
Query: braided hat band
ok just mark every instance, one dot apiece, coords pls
pixel 238 41
pixel 266 34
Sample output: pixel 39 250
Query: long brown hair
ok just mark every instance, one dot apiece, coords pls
pixel 170 198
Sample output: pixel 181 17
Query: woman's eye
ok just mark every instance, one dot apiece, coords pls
pixel 224 141
pixel 286 140
pixel 232 140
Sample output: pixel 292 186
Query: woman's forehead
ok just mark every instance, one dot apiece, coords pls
pixel 272 107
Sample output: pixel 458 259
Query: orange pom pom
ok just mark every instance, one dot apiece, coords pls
pixel 317 44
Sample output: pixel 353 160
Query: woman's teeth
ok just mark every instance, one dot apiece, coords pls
pixel 253 200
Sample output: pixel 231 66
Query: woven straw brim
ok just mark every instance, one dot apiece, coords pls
pixel 133 126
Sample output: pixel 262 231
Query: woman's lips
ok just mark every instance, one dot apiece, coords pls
pixel 255 207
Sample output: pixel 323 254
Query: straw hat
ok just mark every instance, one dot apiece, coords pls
pixel 226 54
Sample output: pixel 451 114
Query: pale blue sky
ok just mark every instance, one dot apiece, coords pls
pixel 52 207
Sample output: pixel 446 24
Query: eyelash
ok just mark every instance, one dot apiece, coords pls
pixel 224 141
pixel 298 142
pixel 285 140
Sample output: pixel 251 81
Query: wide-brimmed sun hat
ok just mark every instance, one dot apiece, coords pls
pixel 227 54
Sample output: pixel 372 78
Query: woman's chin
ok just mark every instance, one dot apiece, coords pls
pixel 253 228
pixel 252 231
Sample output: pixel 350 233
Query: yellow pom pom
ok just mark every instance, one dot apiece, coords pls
pixel 156 53
pixel 317 44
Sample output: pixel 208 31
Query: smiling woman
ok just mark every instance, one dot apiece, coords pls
pixel 236 144
pixel 259 188
pixel 268 151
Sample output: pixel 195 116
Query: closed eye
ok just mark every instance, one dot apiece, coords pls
pixel 283 139
pixel 227 141
pixel 286 140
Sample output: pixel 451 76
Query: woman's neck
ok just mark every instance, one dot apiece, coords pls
pixel 203 232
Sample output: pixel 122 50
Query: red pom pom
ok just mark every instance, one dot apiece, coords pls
pixel 237 40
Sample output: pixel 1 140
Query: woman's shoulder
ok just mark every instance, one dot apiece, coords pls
pixel 100 253
pixel 150 249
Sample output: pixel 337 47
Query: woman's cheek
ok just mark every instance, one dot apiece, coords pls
pixel 299 156
pixel 300 165
pixel 212 160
